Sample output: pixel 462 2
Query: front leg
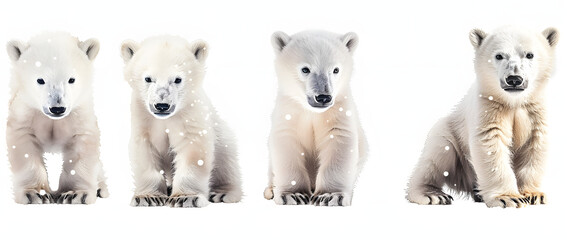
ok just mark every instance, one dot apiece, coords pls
pixel 490 157
pixel 28 168
pixel 78 183
pixel 337 172
pixel 150 186
pixel 529 162
pixel 193 165
pixel 290 177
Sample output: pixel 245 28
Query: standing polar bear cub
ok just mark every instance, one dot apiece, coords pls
pixel 317 146
pixel 182 153
pixel 493 145
pixel 51 110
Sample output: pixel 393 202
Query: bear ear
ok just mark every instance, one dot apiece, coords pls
pixel 199 48
pixel 552 36
pixel 477 36
pixel 128 48
pixel 280 40
pixel 350 40
pixel 90 47
pixel 15 49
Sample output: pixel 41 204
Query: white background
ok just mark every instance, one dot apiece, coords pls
pixel 413 64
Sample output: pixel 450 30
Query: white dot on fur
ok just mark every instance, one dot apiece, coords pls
pixel 327 120
pixel 187 120
pixel 332 136
pixel 13 146
pixel 287 117
pixel 489 153
pixel 216 124
pixel 73 172
pixel 340 109
pixel 455 184
pixel 348 113
pixel 167 130
pixel 26 155
pixel 181 134
pixel 293 183
pixel 200 162
pixel 489 60
pixel 190 79
pixel 225 146
pixel 204 132
pixel 191 142
pixel 70 161
pixel 192 104
pixel 38 64
pixel 490 98
pixel 480 95
pixel 346 97
pixel 25 61
pixel 161 172
pixel 192 91
pixel 445 173
pixel 41 192
pixel 189 71
pixel 302 154
pixel 447 148
pixel 54 58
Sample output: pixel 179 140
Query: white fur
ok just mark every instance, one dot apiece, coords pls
pixel 190 150
pixel 316 153
pixel 493 145
pixel 32 130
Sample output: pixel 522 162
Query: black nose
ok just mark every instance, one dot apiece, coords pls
pixel 514 80
pixel 162 107
pixel 323 98
pixel 57 110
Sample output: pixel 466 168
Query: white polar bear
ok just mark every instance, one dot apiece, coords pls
pixel 493 145
pixel 182 153
pixel 317 146
pixel 51 110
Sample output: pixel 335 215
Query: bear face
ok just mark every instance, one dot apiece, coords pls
pixel 512 63
pixel 162 72
pixel 54 70
pixel 314 67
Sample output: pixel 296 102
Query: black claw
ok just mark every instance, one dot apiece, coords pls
pixel 451 198
pixel 74 196
pixel 503 202
pixel 430 200
pixel 194 202
pixel 533 200
pixel 284 199
pixel 83 199
pixel 148 201
pixel 28 195
pixel 137 201
pixel 169 191
pixel 211 198
pixel 294 198
pixel 441 200
pixel 327 200
pixel 304 199
pixel 541 201
pixel 515 201
pixel 340 202
pixel 98 193
pixel 222 197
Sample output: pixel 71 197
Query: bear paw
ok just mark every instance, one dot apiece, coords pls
pixel 76 197
pixel 218 197
pixel 507 200
pixel 330 199
pixel 289 198
pixel 188 201
pixel 148 200
pixel 31 196
pixel 534 198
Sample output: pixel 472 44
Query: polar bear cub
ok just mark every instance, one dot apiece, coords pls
pixel 51 110
pixel 493 145
pixel 317 146
pixel 182 153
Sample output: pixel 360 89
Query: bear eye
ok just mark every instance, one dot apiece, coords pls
pixel 529 55
pixel 336 70
pixel 71 80
pixel 499 57
pixel 178 80
pixel 40 81
pixel 305 70
pixel 148 79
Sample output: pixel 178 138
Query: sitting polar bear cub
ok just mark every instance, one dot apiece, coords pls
pixel 317 146
pixel 493 145
pixel 51 110
pixel 182 153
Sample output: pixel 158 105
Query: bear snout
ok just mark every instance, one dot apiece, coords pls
pixel 57 110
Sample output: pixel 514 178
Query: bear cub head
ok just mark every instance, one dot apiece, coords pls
pixel 163 71
pixel 511 62
pixel 314 67
pixel 53 71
